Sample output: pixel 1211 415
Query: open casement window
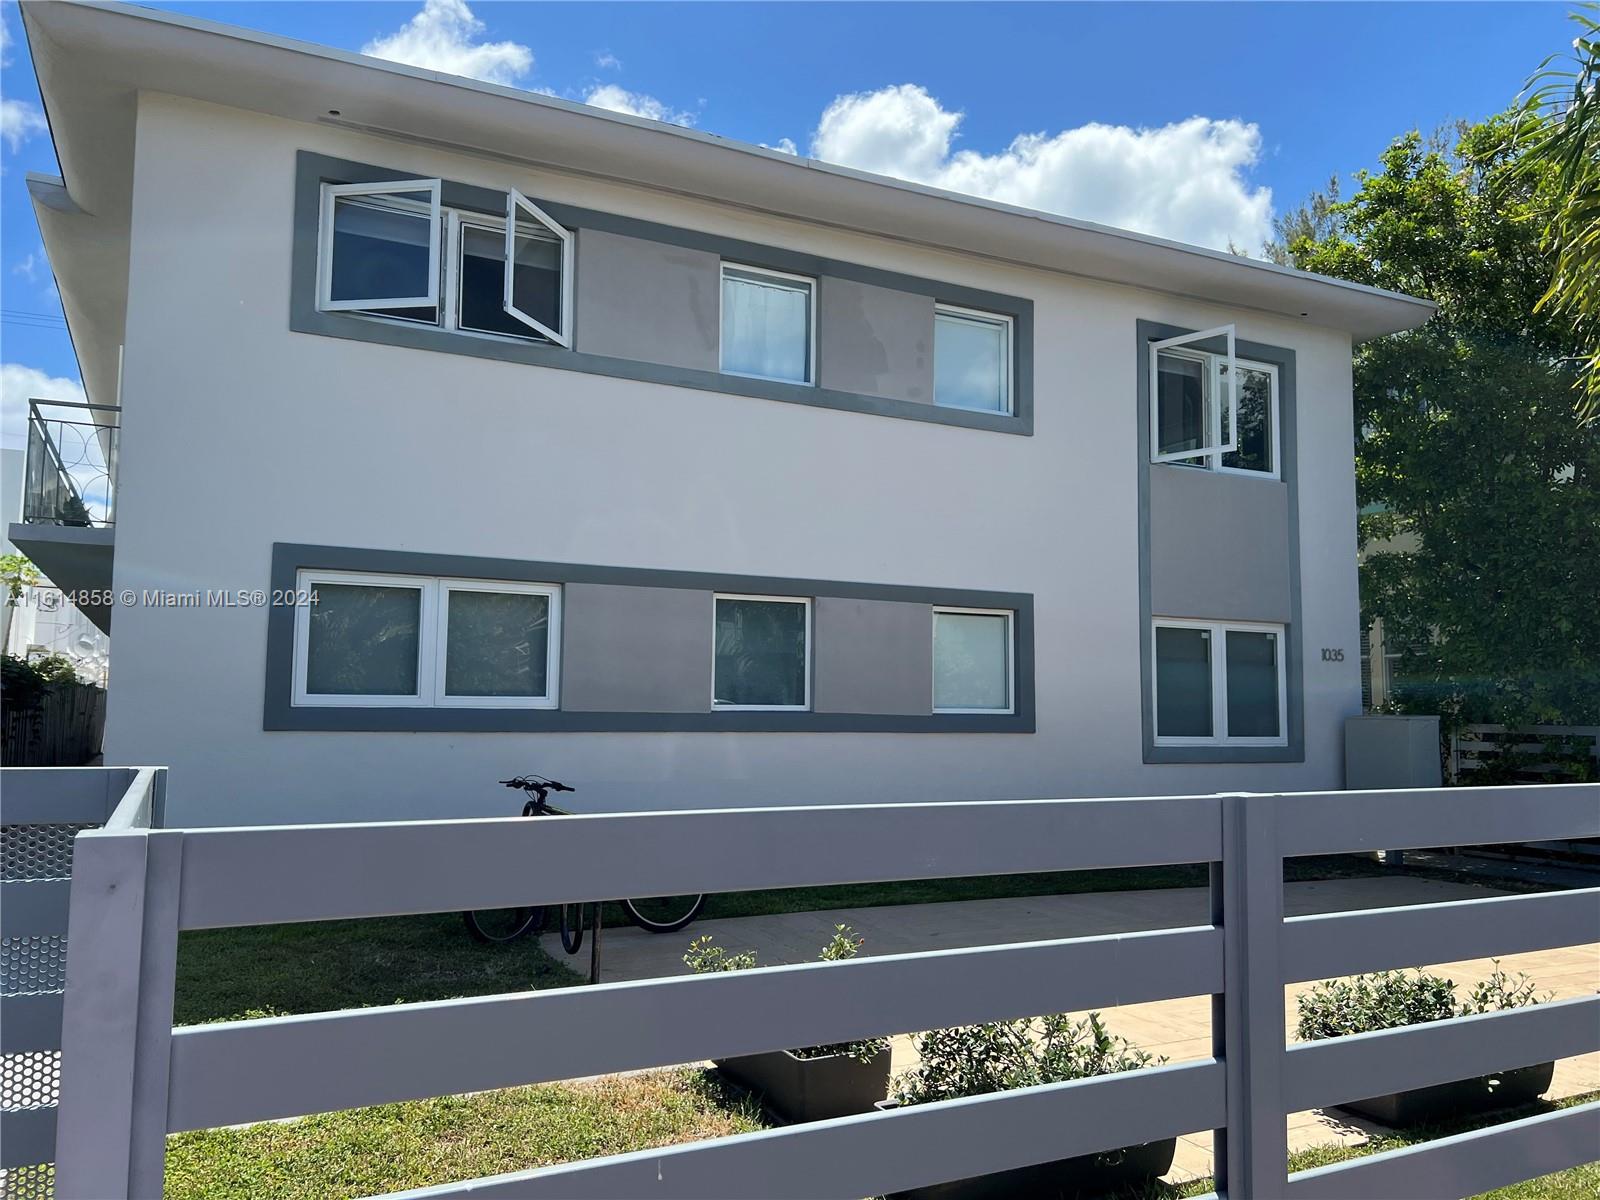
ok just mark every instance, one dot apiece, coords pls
pixel 538 271
pixel 379 248
pixel 1193 395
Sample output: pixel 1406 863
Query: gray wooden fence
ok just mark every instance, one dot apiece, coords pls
pixel 41 812
pixel 1528 753
pixel 128 1078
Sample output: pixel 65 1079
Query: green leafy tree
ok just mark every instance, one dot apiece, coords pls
pixel 1479 483
pixel 16 573
pixel 1564 97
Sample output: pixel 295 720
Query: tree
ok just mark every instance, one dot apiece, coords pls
pixel 1466 437
pixel 1566 103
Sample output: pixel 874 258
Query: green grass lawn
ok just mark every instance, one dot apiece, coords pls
pixel 365 1152
pixel 227 973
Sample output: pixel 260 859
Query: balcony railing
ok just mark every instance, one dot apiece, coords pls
pixel 72 464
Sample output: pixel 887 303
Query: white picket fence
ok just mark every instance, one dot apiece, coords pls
pixel 129 1078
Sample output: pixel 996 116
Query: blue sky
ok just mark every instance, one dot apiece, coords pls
pixel 1196 121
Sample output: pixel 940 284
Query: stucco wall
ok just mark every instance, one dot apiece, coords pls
pixel 238 433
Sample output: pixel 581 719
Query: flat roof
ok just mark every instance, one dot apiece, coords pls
pixel 93 56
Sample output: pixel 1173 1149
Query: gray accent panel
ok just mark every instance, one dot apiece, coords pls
pixel 1284 360
pixel 647 300
pixel 279 712
pixel 314 169
pixel 872 656
pixel 635 649
pixel 874 340
pixel 1219 545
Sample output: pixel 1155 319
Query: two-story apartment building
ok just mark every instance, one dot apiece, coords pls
pixel 467 432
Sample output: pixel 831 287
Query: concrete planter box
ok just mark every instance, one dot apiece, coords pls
pixel 1509 1089
pixel 811 1089
pixel 1064 1178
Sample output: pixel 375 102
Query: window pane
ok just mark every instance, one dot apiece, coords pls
pixel 1183 682
pixel 1252 685
pixel 363 640
pixel 969 363
pixel 536 284
pixel 760 652
pixel 1180 404
pixel 380 249
pixel 497 644
pixel 766 328
pixel 970 653
pixel 1254 422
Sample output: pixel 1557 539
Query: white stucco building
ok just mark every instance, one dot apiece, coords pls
pixel 735 478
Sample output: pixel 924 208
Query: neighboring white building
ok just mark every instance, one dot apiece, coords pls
pixel 758 481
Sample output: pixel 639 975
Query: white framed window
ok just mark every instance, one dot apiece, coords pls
pixel 499 644
pixel 761 652
pixel 1195 396
pixel 768 324
pixel 971 359
pixel 380 641
pixel 537 275
pixel 974 662
pixel 1218 683
pixel 378 248
pixel 481 275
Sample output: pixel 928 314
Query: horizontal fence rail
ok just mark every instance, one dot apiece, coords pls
pixel 868 1155
pixel 129 1078
pixel 1380 939
pixel 1463 1165
pixel 283 1066
pixel 236 876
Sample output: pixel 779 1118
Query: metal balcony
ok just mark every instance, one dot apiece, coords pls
pixel 72 464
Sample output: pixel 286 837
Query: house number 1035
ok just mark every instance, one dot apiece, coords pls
pixel 1333 654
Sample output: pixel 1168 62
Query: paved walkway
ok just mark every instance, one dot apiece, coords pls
pixel 1179 1029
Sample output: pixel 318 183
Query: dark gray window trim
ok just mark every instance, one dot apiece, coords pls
pixel 280 712
pixel 312 170
pixel 1294 671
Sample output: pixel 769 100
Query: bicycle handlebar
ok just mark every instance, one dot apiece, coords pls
pixel 536 783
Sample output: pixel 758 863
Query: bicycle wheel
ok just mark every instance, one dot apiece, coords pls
pixel 663 914
pixel 572 922
pixel 503 924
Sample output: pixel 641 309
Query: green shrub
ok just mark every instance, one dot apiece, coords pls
pixel 24 682
pixel 974 1060
pixel 1390 999
pixel 705 957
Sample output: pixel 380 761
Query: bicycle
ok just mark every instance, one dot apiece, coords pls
pixel 653 914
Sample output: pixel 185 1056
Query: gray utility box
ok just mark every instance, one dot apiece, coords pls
pixel 1391 752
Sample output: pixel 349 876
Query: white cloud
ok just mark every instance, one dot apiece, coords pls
pixel 607 61
pixel 19 121
pixel 18 385
pixel 444 37
pixel 783 146
pixel 1186 181
pixel 610 96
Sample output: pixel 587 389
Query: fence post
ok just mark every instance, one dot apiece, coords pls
pixel 1252 1153
pixel 116 1028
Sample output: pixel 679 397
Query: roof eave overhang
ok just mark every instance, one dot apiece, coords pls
pixel 114 49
